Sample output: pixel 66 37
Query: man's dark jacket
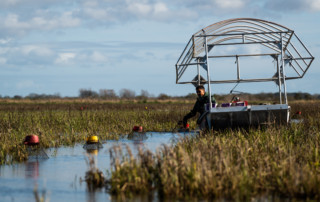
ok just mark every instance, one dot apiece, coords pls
pixel 198 107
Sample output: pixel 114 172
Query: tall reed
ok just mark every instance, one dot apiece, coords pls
pixel 231 164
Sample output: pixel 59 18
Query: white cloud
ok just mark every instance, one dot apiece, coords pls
pixel 253 49
pixel 139 9
pixel 315 5
pixel 230 4
pixel 5 41
pixel 34 55
pixel 65 58
pixel 160 8
pixel 90 59
pixel 109 12
pixel 292 5
pixel 15 20
pixel 8 2
pixel 98 57
pixel 96 13
pixel 12 24
pixel 37 50
pixel 90 3
pixel 65 20
pixel 12 4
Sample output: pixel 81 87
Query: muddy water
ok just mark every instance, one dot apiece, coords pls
pixel 58 177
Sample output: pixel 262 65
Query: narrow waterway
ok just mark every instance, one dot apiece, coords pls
pixel 58 177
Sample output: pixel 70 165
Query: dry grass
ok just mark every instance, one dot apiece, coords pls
pixel 232 164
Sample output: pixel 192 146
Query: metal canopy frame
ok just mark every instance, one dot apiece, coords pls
pixel 277 39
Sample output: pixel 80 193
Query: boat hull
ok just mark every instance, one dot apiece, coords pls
pixel 246 116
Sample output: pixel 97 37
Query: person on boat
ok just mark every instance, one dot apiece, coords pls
pixel 199 106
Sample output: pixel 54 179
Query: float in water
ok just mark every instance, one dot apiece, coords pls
pixel 92 143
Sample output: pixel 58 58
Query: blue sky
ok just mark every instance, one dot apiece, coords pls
pixel 59 46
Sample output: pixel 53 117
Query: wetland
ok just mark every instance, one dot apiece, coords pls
pixel 281 161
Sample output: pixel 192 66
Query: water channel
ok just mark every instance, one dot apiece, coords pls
pixel 59 176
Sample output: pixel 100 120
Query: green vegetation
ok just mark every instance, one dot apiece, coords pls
pixel 66 123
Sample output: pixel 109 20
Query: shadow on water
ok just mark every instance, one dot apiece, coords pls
pixel 57 174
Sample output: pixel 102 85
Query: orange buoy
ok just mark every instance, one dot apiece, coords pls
pixel 137 129
pixel 31 140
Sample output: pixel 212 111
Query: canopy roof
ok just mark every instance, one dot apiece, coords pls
pixel 281 43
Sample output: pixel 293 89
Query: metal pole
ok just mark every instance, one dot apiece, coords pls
pixel 238 68
pixel 283 72
pixel 199 82
pixel 233 34
pixel 279 80
pixel 243 55
pixel 208 72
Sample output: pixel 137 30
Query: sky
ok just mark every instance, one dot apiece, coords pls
pixel 62 46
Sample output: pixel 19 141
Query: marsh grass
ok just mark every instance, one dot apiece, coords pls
pixel 234 164
pixel 279 161
pixel 94 177
pixel 65 123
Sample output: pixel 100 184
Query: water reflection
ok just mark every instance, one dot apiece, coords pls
pixel 36 152
pixel 137 139
pixel 296 121
pixel 91 196
pixel 59 171
pixel 93 146
pixel 32 169
pixel 92 152
pixel 150 196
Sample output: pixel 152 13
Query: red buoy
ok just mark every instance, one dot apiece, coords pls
pixel 137 129
pixel 31 140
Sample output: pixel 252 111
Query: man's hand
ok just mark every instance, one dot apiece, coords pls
pixel 183 124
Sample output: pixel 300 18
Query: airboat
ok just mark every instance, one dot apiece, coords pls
pixel 244 40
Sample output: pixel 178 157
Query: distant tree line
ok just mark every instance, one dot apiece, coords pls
pixel 110 94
